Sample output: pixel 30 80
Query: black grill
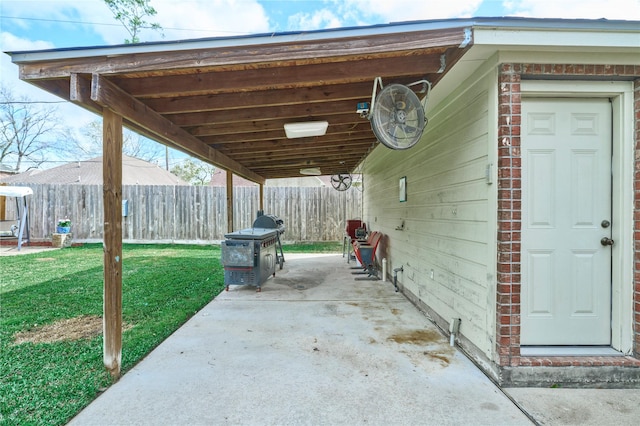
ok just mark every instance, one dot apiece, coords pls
pixel 270 221
pixel 249 256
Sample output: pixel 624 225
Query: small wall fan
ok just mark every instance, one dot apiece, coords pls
pixel 397 115
pixel 341 182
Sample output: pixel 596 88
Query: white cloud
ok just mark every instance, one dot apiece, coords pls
pixel 180 19
pixel 8 43
pixel 579 9
pixel 340 13
pixel 336 13
pixel 59 15
pixel 207 18
pixel 190 19
pixel 386 11
pixel 320 19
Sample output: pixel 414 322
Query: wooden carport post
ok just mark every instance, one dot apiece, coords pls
pixel 261 197
pixel 229 201
pixel 112 234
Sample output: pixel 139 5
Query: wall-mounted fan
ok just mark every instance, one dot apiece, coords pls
pixel 341 182
pixel 397 115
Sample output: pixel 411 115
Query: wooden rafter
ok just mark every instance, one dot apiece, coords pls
pixel 111 96
pixel 227 103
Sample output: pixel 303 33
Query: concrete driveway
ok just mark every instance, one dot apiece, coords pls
pixel 315 347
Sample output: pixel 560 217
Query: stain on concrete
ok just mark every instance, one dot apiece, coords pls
pixel 299 283
pixel 440 357
pixel 417 337
pixel 489 406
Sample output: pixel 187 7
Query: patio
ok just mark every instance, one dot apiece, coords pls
pixel 313 347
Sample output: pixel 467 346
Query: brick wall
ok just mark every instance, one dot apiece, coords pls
pixel 509 210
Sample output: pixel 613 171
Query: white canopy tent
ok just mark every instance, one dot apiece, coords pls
pixel 20 193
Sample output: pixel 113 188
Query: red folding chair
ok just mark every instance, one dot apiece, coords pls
pixel 355 229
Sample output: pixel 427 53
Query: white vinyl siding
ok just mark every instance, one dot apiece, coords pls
pixel 449 215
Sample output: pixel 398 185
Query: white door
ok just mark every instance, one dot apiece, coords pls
pixel 566 212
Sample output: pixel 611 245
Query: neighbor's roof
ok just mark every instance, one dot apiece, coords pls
pixel 226 100
pixel 89 172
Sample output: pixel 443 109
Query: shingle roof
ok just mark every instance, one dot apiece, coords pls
pixel 89 172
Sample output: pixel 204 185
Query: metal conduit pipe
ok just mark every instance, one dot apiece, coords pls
pixel 395 276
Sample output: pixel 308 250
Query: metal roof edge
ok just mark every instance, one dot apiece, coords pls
pixel 235 41
pixel 318 35
pixel 509 22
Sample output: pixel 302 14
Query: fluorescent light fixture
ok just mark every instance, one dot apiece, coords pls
pixel 311 171
pixel 305 129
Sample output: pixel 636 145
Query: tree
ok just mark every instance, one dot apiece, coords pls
pixel 28 131
pixel 132 14
pixel 194 171
pixel 133 144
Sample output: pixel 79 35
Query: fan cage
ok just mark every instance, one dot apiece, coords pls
pixel 398 117
pixel 342 181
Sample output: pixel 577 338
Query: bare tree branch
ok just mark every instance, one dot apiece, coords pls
pixel 89 145
pixel 27 130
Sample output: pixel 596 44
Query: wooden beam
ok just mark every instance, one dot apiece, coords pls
pixel 283 76
pixel 241 100
pixel 80 93
pixel 230 200
pixel 111 96
pixel 349 119
pixel 112 195
pixel 266 113
pixel 334 133
pixel 278 158
pixel 249 150
pixel 248 141
pixel 205 56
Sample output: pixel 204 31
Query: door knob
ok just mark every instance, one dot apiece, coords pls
pixel 605 241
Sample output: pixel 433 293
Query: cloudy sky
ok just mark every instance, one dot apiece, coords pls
pixel 47 24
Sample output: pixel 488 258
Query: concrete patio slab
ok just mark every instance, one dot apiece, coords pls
pixel 314 347
pixel 580 407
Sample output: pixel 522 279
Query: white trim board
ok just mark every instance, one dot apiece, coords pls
pixel 569 351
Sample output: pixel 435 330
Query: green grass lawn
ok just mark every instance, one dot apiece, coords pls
pixel 48 382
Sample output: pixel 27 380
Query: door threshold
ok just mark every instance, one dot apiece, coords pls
pixel 569 351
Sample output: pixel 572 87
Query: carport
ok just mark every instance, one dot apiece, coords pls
pixel 226 100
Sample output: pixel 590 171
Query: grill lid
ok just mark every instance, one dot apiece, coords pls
pixel 269 221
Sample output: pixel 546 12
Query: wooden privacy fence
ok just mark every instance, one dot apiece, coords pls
pixel 191 214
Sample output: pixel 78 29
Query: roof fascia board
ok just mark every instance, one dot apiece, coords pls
pixel 558 37
pixel 568 56
pixel 241 41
